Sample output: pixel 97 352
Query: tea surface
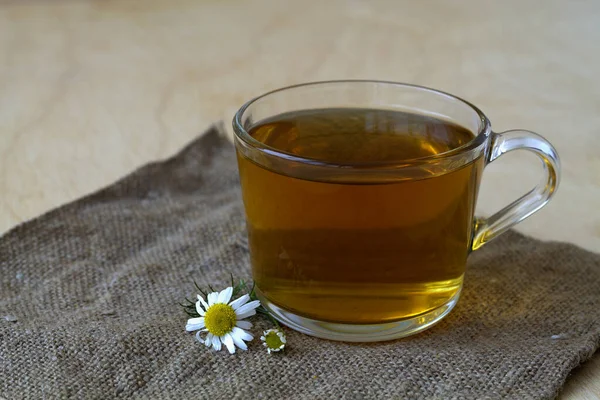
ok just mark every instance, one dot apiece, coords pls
pixel 354 252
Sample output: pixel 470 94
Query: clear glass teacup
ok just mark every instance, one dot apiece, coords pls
pixel 360 200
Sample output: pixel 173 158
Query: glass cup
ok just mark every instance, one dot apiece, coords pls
pixel 377 251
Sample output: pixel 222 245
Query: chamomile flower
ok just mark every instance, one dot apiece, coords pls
pixel 273 340
pixel 223 320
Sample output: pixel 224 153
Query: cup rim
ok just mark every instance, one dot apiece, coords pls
pixel 243 135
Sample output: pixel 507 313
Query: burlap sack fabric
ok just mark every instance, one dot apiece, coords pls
pixel 90 290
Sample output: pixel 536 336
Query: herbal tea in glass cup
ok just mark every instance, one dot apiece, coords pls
pixel 360 200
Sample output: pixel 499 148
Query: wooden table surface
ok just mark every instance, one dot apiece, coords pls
pixel 89 90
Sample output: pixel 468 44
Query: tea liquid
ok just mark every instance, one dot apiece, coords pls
pixel 359 252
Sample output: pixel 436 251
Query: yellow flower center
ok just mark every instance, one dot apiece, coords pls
pixel 273 340
pixel 220 319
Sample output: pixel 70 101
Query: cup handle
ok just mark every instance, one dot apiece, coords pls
pixel 487 229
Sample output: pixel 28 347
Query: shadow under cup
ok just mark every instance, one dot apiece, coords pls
pixel 371 251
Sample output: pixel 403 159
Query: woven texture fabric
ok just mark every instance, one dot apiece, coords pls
pixel 89 297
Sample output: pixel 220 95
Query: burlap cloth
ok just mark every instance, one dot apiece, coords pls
pixel 89 299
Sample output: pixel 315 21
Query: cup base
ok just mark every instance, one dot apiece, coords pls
pixel 358 332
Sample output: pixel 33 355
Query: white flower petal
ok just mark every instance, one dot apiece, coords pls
pixel 208 340
pixel 193 324
pixel 244 324
pixel 195 320
pixel 245 315
pixel 242 334
pixel 204 303
pixel 216 343
pixel 199 309
pixel 225 295
pixel 282 338
pixel 247 307
pixel 198 338
pixel 239 302
pixel 228 341
pixel 212 298
pixel 239 342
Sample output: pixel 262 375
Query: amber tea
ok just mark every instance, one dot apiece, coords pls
pixel 354 251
